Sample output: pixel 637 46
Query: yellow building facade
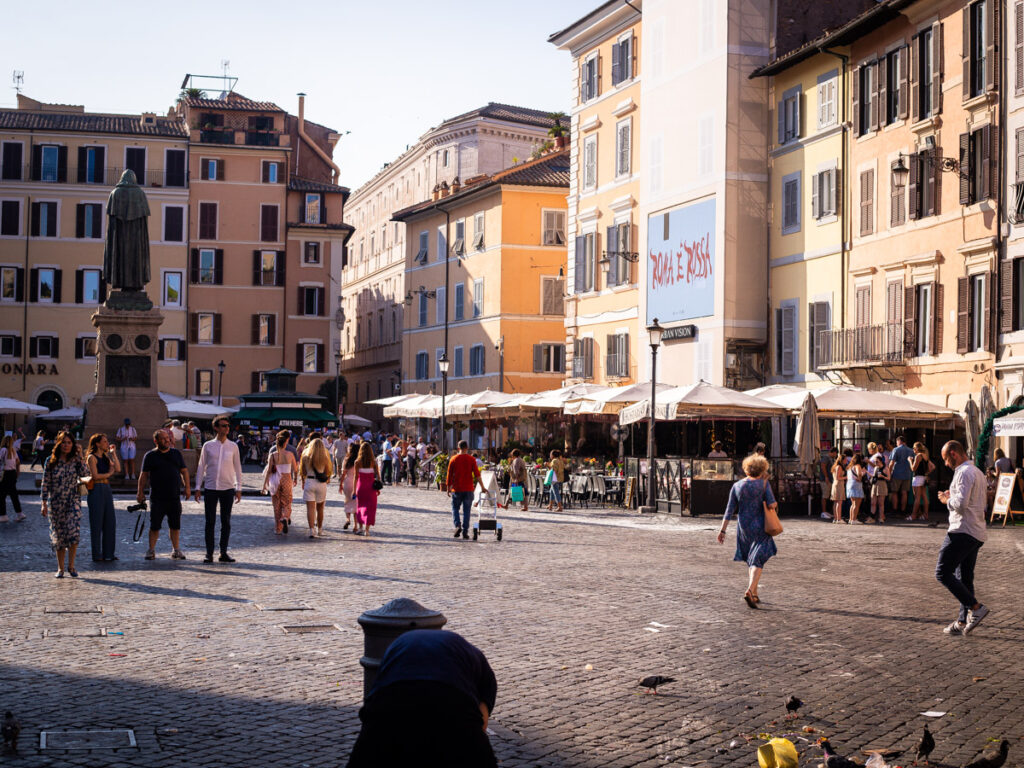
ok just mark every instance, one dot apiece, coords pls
pixel 485 271
pixel 604 343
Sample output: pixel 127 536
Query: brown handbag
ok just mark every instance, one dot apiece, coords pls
pixel 772 524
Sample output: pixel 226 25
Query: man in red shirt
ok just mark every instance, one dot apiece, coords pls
pixel 463 474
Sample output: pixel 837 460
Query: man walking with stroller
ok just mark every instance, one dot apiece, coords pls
pixel 463 476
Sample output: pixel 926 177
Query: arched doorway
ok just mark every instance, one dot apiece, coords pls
pixel 51 399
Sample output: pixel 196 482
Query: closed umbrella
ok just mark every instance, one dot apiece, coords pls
pixel 972 422
pixel 805 442
pixel 988 407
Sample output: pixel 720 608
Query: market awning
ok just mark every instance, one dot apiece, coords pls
pixel 288 417
pixel 845 402
pixel 700 399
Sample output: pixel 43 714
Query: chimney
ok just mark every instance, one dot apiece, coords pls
pixel 436 192
pixel 444 189
pixel 455 185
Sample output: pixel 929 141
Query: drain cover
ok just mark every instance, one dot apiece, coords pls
pixel 284 607
pixel 84 609
pixel 85 740
pixel 305 629
pixel 77 632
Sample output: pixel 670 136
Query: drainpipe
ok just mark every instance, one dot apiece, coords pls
pixel 1001 175
pixel 336 171
pixel 844 217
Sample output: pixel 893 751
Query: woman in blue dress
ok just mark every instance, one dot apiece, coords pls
pixel 746 501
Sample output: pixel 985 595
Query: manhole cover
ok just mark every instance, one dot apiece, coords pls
pixel 305 629
pixel 84 609
pixel 284 607
pixel 69 740
pixel 76 632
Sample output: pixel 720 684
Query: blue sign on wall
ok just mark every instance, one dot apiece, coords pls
pixel 681 261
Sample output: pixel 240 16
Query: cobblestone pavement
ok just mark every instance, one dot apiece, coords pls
pixel 851 623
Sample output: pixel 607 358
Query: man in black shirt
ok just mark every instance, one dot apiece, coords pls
pixel 164 468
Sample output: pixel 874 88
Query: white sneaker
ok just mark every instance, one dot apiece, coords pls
pixel 974 619
pixel 826 516
pixel 312 532
pixel 956 628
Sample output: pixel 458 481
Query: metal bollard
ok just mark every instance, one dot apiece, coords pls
pixel 382 625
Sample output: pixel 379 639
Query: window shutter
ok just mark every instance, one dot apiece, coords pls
pixel 193 328
pixel 624 355
pixel 1006 294
pixel 257 268
pixel 80 220
pixel 992 312
pixel 254 378
pixel 797 120
pixel 193 266
pixel 882 89
pixel 57 273
pixel 610 361
pixel 965 168
pixel 867 203
pixel 821 325
pixel 913 53
pixel 938 303
pixel 298 357
pixel 321 309
pixel 62 164
pixel 101 167
pixel 216 328
pixel 34 224
pixel 788 340
pixel 937 68
pixel 54 347
pixel 37 163
pixel 992 166
pixel 78 349
pixel 588 357
pixel 302 303
pixel 616 64
pixel 910 321
pixel 218 266
pixel 272 329
pixel 963 312
pixel 903 55
pixel 83 161
pixel 965 52
pixel 159 350
pixel 320 361
pixel 580 266
pixel 781 114
pixel 33 284
pixel 815 196
pixel 855 88
pixel 79 292
pixel 837 191
pixel 19 284
pixel 255 330
pixel 221 171
pixel 874 104
pixel 33 347
pixel 986 164
pixel 538 358
pixel 611 253
pixel 1020 156
pixel 992 27
pixel 913 195
pixel 279 268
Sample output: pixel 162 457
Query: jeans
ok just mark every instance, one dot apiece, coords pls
pixel 411 462
pixel 463 499
pixel 102 523
pixel 210 499
pixel 556 493
pixel 385 474
pixel 9 487
pixel 955 568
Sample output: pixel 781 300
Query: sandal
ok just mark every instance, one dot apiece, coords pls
pixel 751 600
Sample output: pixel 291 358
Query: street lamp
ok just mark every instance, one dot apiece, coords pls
pixel 337 389
pixel 931 157
pixel 443 364
pixel 654 331
pixel 220 382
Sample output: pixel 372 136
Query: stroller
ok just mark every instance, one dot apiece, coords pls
pixel 486 505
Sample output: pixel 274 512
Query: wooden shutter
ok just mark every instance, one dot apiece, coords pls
pixel 216 328
pixel 992 47
pixel 903 55
pixel 992 164
pixel 101 166
pixel 265 178
pixel 581 253
pixel 62 164
pixel 222 173
pixel 965 168
pixel 218 266
pixel 257 268
pixel 1019 156
pixel 856 101
pixel 1018 46
pixel 79 292
pixel 302 306
pixel 33 347
pixel 279 268
pixel 19 284
pixel 815 197
pixel 913 192
pixel 623 352
pixel 57 273
pixel 910 321
pixel 788 336
pixel 193 266
pixel 255 326
pixel 874 103
pixel 1006 293
pixel 937 69
pixel 616 64
pixel 538 358
pixel 80 220
pixel 159 349
pixel 965 52
pixel 867 202
pixel 33 226
pixel 204 169
pixel 321 308
pixel 193 328
pixel 254 381
pixel 610 362
pixel 79 353
pixel 299 361
pixel 83 164
pixel 33 284
pixel 37 163
pixel 938 295
pixel 882 89
pixel 321 362
pixel 913 78
pixel 991 312
pixel 272 329
pixel 934 207
pixel 963 314
pixel 985 161
pixel 862 306
pixel 611 253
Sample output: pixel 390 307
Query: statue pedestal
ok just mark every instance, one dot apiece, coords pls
pixel 126 380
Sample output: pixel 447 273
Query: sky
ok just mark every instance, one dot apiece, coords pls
pixel 384 70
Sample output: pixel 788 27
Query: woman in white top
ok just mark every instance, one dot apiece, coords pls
pixel 9 483
pixel 316 470
pixel 278 480
pixel 347 486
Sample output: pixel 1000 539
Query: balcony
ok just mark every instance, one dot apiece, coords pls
pixel 217 134
pixel 866 346
pixel 99 177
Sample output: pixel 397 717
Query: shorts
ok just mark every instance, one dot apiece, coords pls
pixel 919 481
pixel 127 451
pixel 314 491
pixel 879 489
pixel 825 487
pixel 838 492
pixel 899 485
pixel 169 509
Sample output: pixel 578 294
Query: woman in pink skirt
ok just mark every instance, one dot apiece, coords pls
pixel 347 486
pixel 367 476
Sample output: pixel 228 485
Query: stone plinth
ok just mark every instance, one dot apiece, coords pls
pixel 126 374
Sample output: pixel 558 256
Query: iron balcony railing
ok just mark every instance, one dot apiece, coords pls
pixel 101 177
pixel 863 346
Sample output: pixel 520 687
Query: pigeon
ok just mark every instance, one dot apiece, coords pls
pixel 925 745
pixel 993 757
pixel 792 705
pixel 652 682
pixel 833 760
pixel 10 728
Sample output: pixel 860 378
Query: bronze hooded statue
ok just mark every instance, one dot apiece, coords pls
pixel 126 254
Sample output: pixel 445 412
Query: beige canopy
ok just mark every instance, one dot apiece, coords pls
pixel 700 399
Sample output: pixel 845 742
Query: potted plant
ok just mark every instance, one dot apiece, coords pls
pixel 558 132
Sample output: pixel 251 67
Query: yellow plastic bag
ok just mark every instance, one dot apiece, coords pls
pixel 777 753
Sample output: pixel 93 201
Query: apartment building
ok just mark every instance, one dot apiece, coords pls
pixel 58 164
pixel 482 141
pixel 488 262
pixel 604 343
pixel 266 245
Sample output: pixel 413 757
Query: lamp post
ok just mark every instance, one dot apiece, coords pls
pixel 443 364
pixel 220 382
pixel 654 331
pixel 337 390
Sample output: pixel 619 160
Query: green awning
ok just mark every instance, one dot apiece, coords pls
pixel 307 416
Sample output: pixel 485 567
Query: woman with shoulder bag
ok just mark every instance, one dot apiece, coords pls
pixel 10 464
pixel 368 486
pixel 517 475
pixel 749 500
pixel 316 470
pixel 278 480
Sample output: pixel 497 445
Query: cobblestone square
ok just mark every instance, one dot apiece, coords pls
pixel 571 609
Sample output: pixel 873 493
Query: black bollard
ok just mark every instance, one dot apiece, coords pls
pixel 382 625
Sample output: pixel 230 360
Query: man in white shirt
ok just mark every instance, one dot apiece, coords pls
pixel 126 437
pixel 220 474
pixel 966 500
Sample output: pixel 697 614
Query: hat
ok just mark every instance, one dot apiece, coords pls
pixel 127 421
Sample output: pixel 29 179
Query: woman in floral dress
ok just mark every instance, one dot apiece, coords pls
pixel 746 501
pixel 279 479
pixel 62 503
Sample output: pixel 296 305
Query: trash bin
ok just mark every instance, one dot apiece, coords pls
pixel 382 625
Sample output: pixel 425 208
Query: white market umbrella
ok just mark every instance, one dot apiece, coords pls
pixel 806 441
pixel 8 405
pixel 972 422
pixel 614 399
pixel 401 407
pixel 469 404
pixel 192 409
pixel 71 413
pixel 844 402
pixel 555 399
pixel 699 399
pixel 388 400
pixel 358 421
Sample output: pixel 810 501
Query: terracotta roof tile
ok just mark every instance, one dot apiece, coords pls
pixel 297 184
pixel 233 101
pixel 78 122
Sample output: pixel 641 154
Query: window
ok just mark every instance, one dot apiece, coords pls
pixel 477 365
pixel 268 223
pixel 266 274
pixel 172 289
pixel 549 358
pixel 174 171
pixel 445 158
pixel 585 264
pixel 552 298
pixel 314 213
pixel 438 353
pixel 828 115
pixel 89 220
pixel 10 217
pixel 867 202
pixel 895 74
pixel 460 301
pixel 978 172
pixel 622 59
pixel 207 221
pixel 789 115
pixel 478 230
pixel 978 74
pixel 44 219
pixel 554 228
pixel 623 147
pixel 897 201
pixel 823 193
pixel 422 309
pixel 590 162
pixel 135 161
pixel 49 163
pixel 422 361
pixel 311 300
pixel 865 99
pixel 583 358
pixel 786 331
pixel 10 346
pixel 440 304
pixel 11 284
pixel 457 363
pixel 978 314
pixel 271 172
pixel 171 349
pixel 618 243
pixel 90 289
pixel 46 286
pixel 85 348
pixel 819 322
pixel 174 223
pixel 44 347
pixel 924 319
pixel 10 161
pixel 478 297
pixel 791 203
pixel 91 165
pixel 924 79
pixel 211 169
pixel 207 321
pixel 207 266
pixel 459 246
pixel 442 244
pixel 588 78
pixel 204 383
pixel 616 356
pixel 922 186
pixel 311 253
pixel 421 254
pixel 310 358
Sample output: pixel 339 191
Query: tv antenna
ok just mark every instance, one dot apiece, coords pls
pixel 18 78
pixel 225 66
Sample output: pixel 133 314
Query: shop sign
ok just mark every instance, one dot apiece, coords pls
pixel 679 332
pixel 39 369
pixel 290 423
